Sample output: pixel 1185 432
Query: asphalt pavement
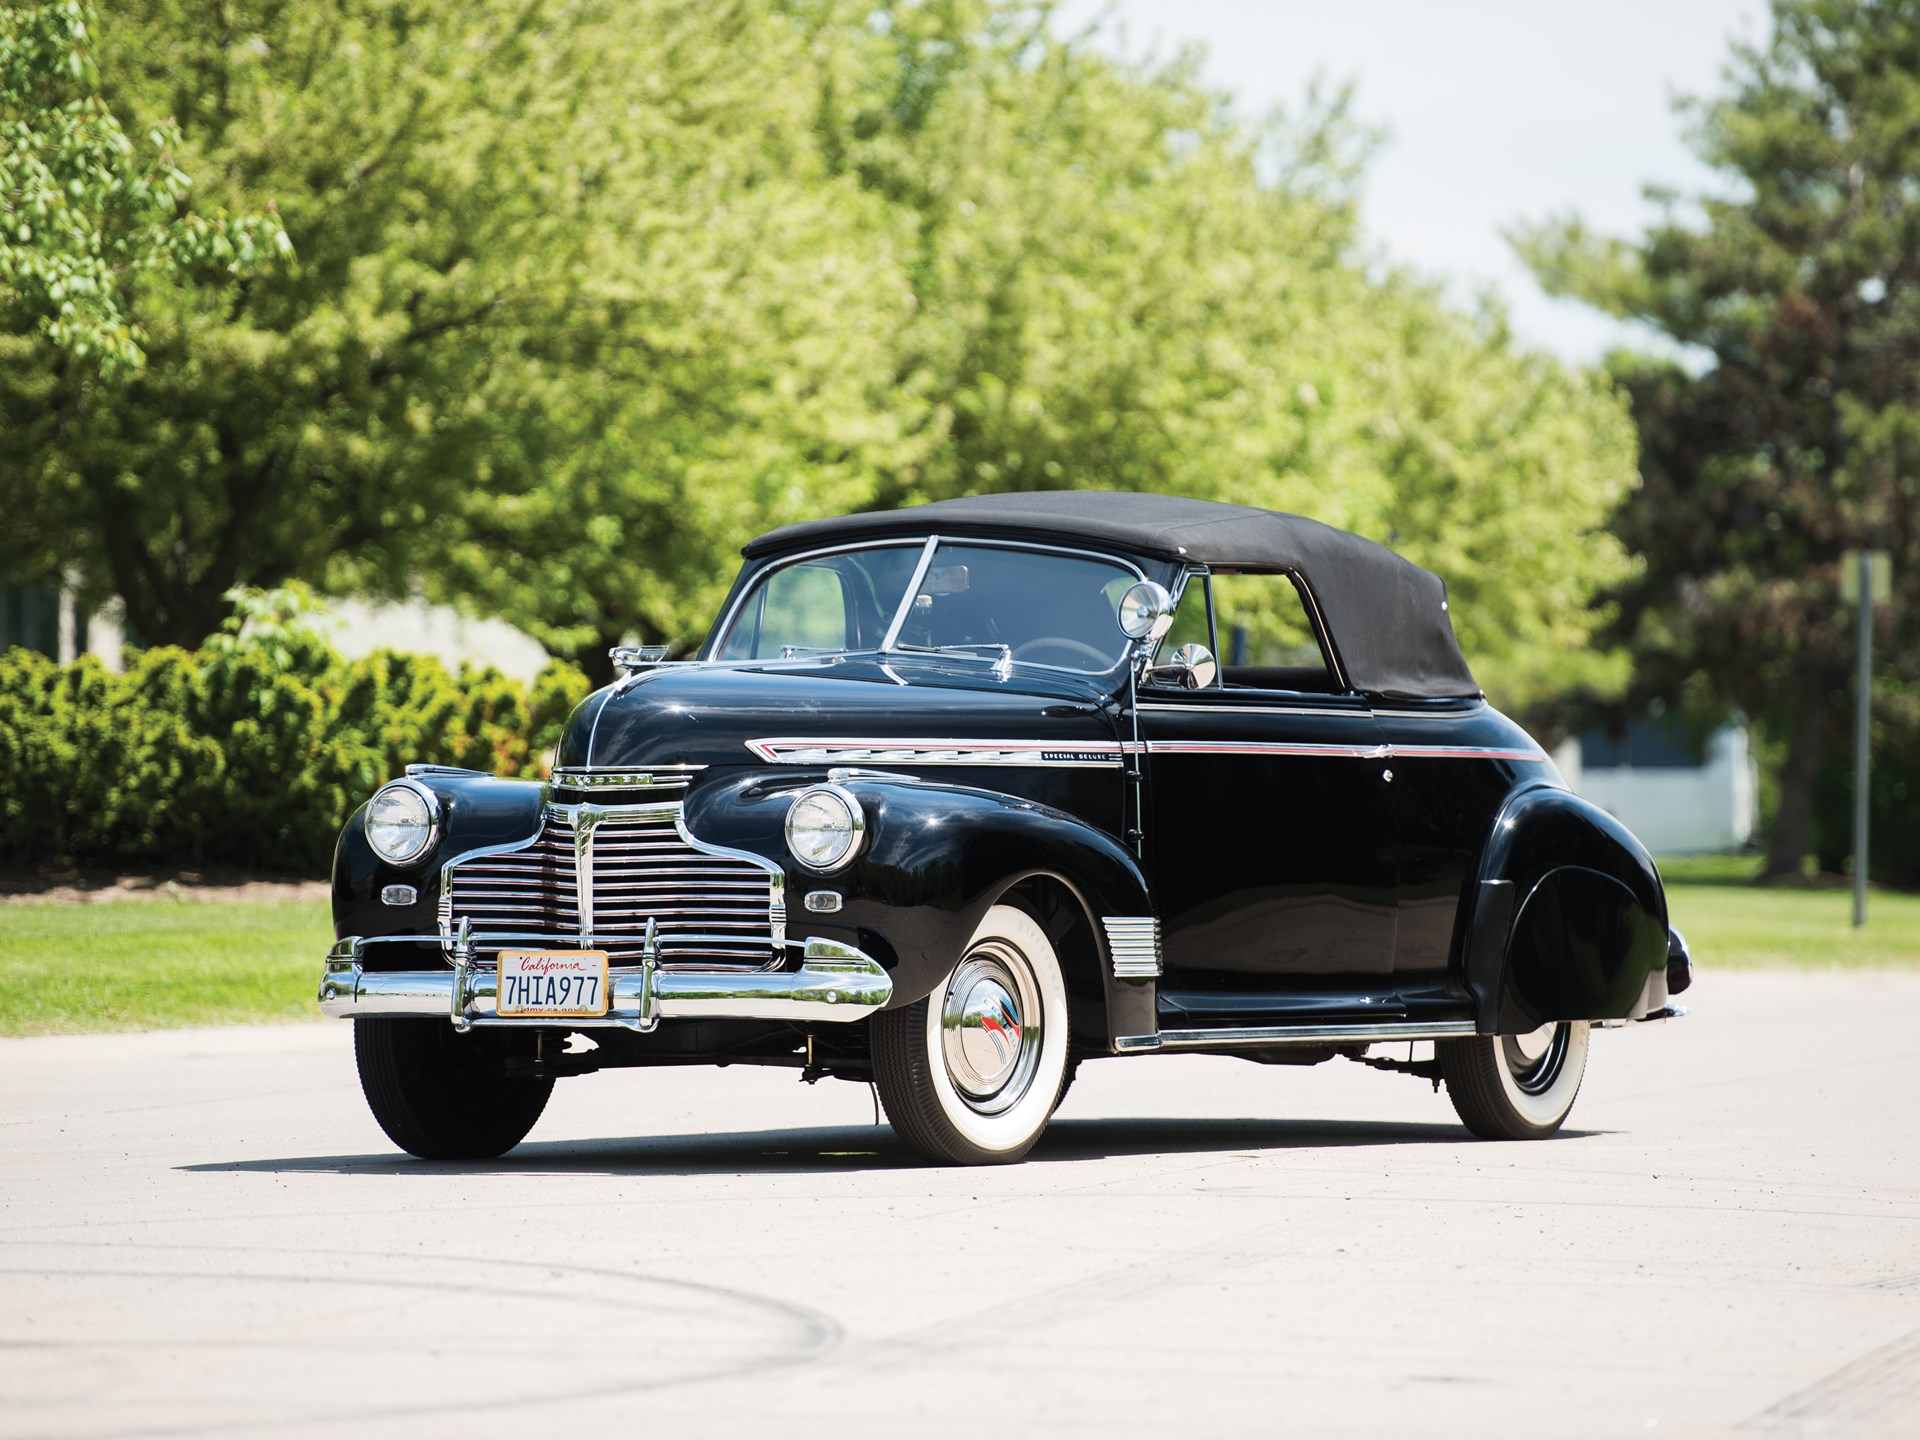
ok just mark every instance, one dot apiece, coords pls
pixel 202 1233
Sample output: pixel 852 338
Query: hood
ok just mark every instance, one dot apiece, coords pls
pixel 713 714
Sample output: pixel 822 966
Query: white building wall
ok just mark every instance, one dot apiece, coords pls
pixel 1682 811
pixel 358 627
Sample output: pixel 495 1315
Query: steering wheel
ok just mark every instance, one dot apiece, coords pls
pixel 1100 659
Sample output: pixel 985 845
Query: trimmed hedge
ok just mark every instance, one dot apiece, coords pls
pixel 250 751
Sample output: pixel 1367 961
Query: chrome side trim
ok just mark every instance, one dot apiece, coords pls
pixel 1451 708
pixel 1253 1036
pixel 1267 747
pixel 1133 942
pixel 834 982
pixel 857 751
pixel 808 750
pixel 1464 752
pixel 1254 707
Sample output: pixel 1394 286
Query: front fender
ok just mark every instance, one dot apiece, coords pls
pixel 936 858
pixel 1569 916
pixel 477 811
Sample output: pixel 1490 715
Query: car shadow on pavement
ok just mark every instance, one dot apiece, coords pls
pixel 829 1149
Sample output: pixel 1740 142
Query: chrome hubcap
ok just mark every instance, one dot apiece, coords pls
pixel 1535 1059
pixel 990 1027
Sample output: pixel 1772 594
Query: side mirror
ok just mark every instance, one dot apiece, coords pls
pixel 1146 612
pixel 1191 667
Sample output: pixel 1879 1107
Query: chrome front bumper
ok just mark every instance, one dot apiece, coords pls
pixel 834 983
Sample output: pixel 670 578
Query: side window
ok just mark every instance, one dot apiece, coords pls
pixel 802 608
pixel 1267 639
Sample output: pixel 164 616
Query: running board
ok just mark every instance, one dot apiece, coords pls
pixel 1256 1036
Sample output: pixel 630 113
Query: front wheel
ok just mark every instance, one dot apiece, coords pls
pixel 970 1074
pixel 442 1095
pixel 1515 1087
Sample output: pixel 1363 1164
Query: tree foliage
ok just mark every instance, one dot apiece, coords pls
pixel 1795 438
pixel 85 213
pixel 588 293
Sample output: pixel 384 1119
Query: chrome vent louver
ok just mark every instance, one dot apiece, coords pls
pixel 713 906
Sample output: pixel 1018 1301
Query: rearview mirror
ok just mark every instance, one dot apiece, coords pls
pixel 1146 611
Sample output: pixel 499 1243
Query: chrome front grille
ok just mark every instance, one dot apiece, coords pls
pixel 632 864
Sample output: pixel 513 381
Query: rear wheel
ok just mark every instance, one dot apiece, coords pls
pixel 443 1095
pixel 1515 1087
pixel 970 1074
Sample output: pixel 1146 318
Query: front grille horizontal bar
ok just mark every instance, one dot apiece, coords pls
pixel 708 905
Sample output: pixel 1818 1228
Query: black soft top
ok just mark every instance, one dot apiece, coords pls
pixel 1387 617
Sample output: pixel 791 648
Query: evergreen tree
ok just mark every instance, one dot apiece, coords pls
pixel 1788 433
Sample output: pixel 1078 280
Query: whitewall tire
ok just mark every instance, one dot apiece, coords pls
pixel 970 1074
pixel 1516 1087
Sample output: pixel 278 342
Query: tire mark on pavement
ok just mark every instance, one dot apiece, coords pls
pixel 995 1323
pixel 813 1333
pixel 1880 1386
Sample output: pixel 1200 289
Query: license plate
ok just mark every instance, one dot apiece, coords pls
pixel 553 982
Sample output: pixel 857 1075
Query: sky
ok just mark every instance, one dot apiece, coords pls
pixel 1497 111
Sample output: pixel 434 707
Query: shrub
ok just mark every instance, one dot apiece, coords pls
pixel 252 750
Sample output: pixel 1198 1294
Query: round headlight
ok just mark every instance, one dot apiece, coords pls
pixel 401 821
pixel 824 826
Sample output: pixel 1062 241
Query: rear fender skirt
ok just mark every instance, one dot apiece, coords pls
pixel 1569 916
pixel 936 858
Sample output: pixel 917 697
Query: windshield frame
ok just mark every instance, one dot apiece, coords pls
pixel 929 547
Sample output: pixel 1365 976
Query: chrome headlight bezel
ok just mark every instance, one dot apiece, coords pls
pixel 845 818
pixel 428 834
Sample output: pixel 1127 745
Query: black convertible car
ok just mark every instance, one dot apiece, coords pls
pixel 956 797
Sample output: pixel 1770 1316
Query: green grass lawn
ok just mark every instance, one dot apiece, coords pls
pixel 153 964
pixel 149 964
pixel 1731 923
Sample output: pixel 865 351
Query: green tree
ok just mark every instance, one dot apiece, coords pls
pixel 1789 434
pixel 590 292
pixel 1118 283
pixel 527 230
pixel 86 215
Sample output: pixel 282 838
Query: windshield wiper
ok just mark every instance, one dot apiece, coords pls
pixel 1002 661
pixel 794 652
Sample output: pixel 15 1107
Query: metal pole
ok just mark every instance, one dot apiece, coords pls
pixel 1862 710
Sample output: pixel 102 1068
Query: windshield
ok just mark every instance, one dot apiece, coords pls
pixel 997 603
pixel 822 605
